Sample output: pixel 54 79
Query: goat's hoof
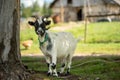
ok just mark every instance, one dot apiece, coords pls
pixel 49 73
pixel 68 73
pixel 55 75
pixel 58 73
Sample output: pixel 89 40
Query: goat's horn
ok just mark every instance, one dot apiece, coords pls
pixel 35 16
pixel 47 28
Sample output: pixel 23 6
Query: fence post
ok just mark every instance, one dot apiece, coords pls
pixel 85 30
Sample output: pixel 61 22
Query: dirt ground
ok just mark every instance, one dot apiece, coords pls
pixel 37 76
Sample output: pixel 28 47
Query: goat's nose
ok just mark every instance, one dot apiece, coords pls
pixel 39 31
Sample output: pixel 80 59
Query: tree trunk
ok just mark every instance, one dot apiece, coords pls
pixel 11 67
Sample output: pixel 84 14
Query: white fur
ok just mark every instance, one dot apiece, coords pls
pixel 39 20
pixel 63 46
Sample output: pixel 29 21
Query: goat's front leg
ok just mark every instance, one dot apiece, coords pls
pixel 48 60
pixel 54 59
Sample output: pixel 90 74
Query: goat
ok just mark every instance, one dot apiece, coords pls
pixel 54 45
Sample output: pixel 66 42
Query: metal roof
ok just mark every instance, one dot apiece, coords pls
pixel 105 1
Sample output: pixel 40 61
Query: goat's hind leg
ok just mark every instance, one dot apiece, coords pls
pixel 69 60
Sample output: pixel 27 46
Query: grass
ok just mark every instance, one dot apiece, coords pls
pixel 99 32
pixel 101 38
pixel 100 48
pixel 83 68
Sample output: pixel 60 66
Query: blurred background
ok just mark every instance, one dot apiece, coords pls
pixel 97 22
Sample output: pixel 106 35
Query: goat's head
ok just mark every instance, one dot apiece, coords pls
pixel 40 25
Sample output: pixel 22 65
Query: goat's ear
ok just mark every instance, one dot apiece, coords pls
pixel 31 23
pixel 47 22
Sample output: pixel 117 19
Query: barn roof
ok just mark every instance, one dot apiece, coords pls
pixel 106 1
pixel 112 2
pixel 52 4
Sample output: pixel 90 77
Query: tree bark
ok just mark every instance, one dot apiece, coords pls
pixel 11 67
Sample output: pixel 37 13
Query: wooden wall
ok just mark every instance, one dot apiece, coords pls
pixel 97 7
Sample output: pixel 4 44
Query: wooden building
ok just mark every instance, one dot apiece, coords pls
pixel 77 10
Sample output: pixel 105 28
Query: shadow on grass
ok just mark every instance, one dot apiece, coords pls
pixel 83 68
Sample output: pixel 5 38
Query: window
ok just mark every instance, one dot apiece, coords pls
pixel 69 1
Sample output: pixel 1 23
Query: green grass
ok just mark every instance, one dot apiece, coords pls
pixel 101 48
pixel 106 33
pixel 27 34
pixel 99 32
pixel 83 68
pixel 101 38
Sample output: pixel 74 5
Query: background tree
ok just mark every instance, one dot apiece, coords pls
pixel 35 9
pixel 11 67
pixel 26 12
pixel 45 9
pixel 31 10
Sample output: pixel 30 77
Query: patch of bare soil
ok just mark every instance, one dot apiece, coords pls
pixel 42 76
pixel 69 77
pixel 68 26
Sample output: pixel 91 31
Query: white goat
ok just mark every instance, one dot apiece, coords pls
pixel 54 45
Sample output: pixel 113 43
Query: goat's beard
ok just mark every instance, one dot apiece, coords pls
pixel 41 34
pixel 41 37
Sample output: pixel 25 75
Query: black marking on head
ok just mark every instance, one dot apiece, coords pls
pixel 40 28
pixel 40 25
